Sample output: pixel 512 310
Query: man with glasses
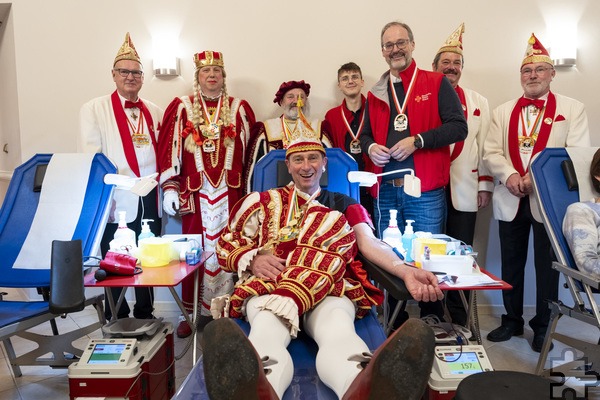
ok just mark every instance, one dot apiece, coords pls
pixel 411 118
pixel 520 129
pixel 470 185
pixel 125 128
pixel 275 133
pixel 201 157
pixel 346 120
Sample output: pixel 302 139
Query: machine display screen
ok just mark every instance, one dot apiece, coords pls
pixel 106 353
pixel 463 364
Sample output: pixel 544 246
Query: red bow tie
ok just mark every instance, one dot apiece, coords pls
pixel 131 104
pixel 538 103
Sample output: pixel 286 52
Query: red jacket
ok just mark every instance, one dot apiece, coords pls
pixel 432 166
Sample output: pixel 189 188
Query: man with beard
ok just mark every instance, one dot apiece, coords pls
pixel 276 133
pixel 520 129
pixel 412 116
pixel 470 185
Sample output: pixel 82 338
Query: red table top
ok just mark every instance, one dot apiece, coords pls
pixel 168 275
pixel 501 286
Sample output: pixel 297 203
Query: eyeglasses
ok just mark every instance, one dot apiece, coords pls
pixel 538 71
pixel 125 72
pixel 400 44
pixel 348 78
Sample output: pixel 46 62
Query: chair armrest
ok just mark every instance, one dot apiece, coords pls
pixel 394 285
pixel 577 275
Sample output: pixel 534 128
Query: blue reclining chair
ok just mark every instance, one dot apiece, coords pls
pixel 559 176
pixel 54 212
pixel 270 171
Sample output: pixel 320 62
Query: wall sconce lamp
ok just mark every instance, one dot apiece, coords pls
pixel 563 48
pixel 165 62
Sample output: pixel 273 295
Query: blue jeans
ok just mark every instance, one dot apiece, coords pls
pixel 428 211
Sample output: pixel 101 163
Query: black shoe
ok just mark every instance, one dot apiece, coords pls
pixel 504 333
pixel 538 342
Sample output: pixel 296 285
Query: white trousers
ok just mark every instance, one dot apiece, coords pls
pixel 330 324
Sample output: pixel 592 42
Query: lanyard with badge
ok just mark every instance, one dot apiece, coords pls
pixel 355 143
pixel 401 120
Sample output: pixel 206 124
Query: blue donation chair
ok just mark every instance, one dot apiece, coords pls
pixel 560 177
pixel 54 212
pixel 306 383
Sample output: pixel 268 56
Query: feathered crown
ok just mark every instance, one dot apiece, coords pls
pixel 304 138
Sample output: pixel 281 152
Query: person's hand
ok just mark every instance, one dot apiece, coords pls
pixel 266 266
pixel 515 186
pixel 483 198
pixel 170 202
pixel 526 184
pixel 422 285
pixel 379 155
pixel 403 149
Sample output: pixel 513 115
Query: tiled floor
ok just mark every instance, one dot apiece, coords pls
pixel 45 382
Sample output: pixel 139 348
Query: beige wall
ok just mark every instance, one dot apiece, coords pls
pixel 62 52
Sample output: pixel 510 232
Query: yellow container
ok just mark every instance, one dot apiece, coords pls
pixel 155 252
pixel 436 246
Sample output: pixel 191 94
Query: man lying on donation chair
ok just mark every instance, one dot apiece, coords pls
pixel 293 249
pixel 581 226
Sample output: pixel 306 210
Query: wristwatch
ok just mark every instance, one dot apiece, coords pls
pixel 418 142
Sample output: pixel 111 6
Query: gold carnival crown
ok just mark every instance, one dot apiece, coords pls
pixel 127 51
pixel 207 58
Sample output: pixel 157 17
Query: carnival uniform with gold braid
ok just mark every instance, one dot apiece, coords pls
pixel 204 165
pixel 319 247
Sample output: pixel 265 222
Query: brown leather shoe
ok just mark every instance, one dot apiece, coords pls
pixel 232 367
pixel 400 367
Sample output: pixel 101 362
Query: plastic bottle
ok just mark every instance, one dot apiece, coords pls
pixel 146 232
pixel 407 240
pixel 392 235
pixel 123 235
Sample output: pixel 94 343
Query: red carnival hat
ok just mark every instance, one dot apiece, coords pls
pixel 304 138
pixel 287 86
pixel 536 52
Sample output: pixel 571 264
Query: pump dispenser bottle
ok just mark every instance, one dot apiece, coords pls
pixel 407 240
pixel 123 235
pixel 146 232
pixel 392 235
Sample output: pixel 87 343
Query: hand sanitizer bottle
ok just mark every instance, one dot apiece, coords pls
pixel 392 235
pixel 146 232
pixel 123 235
pixel 407 240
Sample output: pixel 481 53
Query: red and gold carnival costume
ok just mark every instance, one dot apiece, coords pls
pixel 202 159
pixel 317 242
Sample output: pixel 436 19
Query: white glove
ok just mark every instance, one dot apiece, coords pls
pixel 171 202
